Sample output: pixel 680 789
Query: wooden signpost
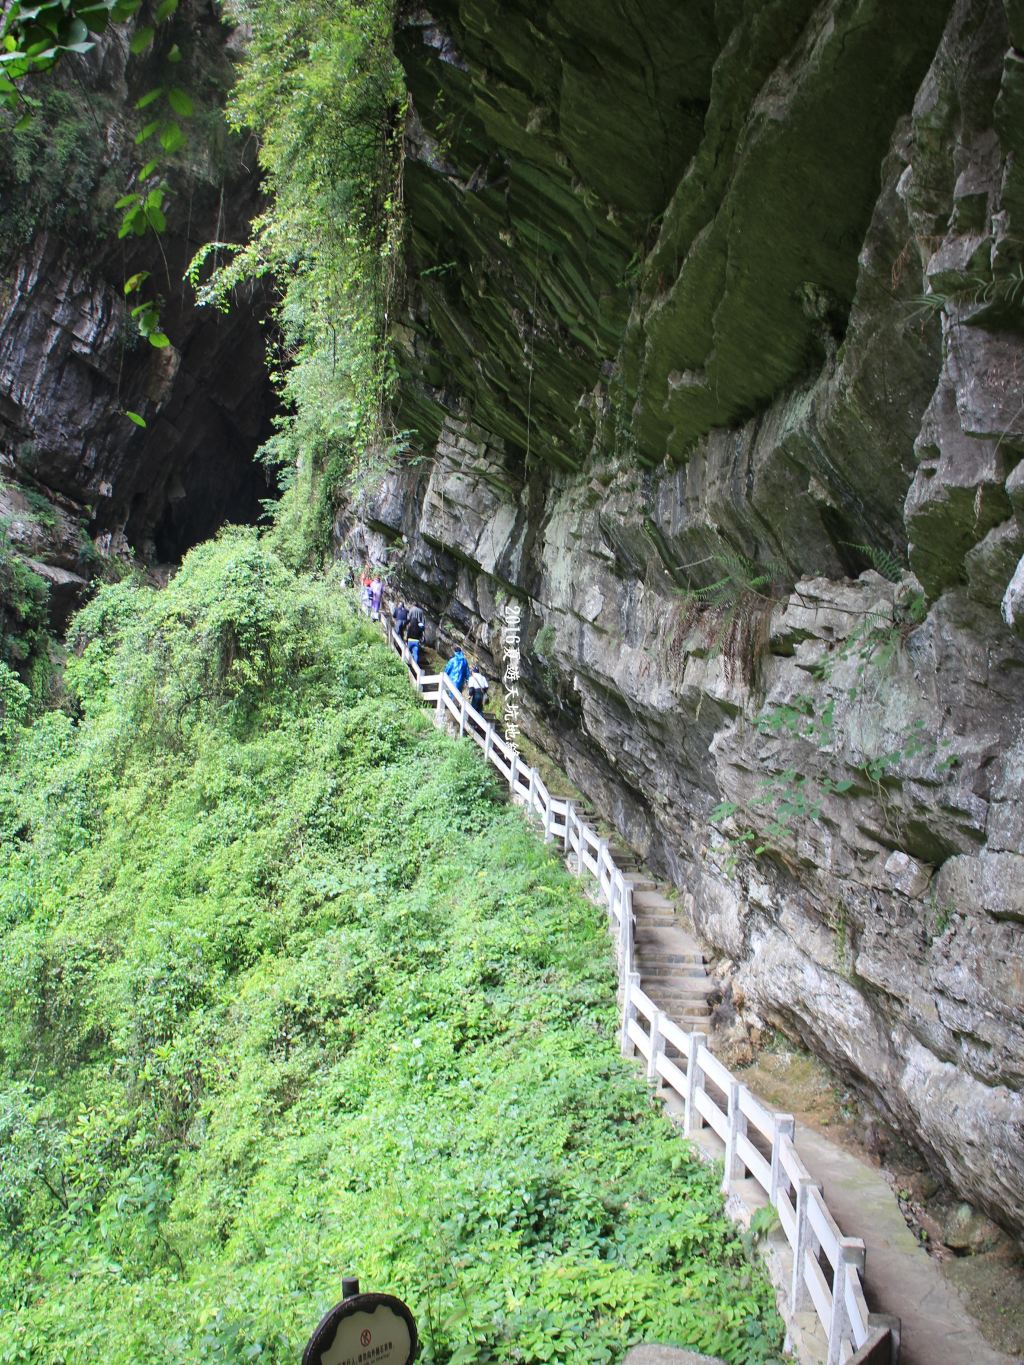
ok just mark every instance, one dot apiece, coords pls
pixel 364 1329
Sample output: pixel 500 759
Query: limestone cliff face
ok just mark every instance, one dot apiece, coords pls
pixel 70 360
pixel 733 294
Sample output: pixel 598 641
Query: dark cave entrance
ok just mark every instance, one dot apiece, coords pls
pixel 217 485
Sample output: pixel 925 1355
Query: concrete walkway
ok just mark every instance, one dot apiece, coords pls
pixel 902 1279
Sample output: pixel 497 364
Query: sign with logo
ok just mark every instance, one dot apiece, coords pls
pixel 366 1329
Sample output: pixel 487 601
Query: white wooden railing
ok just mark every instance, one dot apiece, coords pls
pixel 828 1268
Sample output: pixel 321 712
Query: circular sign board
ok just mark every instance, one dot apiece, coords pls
pixel 367 1329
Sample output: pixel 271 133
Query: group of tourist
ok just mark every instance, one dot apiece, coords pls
pixel 411 624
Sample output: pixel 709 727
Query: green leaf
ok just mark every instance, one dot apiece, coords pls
pixel 148 98
pixel 97 17
pixel 171 138
pixel 127 199
pixel 159 340
pixel 156 218
pixel 24 122
pixel 180 101
pixel 165 9
pixel 134 417
pixel 148 170
pixel 142 40
pixel 134 281
pixel 146 132
pixel 174 56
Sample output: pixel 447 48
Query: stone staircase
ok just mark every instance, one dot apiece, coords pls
pixel 670 963
pixel 668 958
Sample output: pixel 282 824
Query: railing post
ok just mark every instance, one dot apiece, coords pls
pixel 657 1046
pixel 692 1121
pixel 531 797
pixel 513 772
pixel 628 1013
pixel 579 847
pixel 798 1288
pixel 784 1127
pixel 851 1254
pixel 568 826
pixel 462 717
pixel 602 849
pixel 440 698
pixel 488 742
pixel 734 1167
pixel 626 928
pixel 548 836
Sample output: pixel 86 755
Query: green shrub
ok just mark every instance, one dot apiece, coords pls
pixel 287 990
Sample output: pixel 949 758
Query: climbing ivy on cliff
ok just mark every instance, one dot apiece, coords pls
pixel 320 87
pixel 54 164
pixel 287 990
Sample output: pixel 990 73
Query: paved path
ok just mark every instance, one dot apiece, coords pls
pixel 902 1279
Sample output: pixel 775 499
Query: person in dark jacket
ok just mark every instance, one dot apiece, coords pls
pixel 400 618
pixel 414 628
pixel 457 668
pixel 477 689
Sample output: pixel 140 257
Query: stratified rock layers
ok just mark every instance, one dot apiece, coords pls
pixel 734 293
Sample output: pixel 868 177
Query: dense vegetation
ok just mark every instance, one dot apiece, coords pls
pixel 320 87
pixel 287 991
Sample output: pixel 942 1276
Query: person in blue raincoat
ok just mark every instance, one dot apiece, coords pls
pixel 457 668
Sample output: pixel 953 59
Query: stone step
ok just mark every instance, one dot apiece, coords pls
pixel 662 997
pixel 672 938
pixel 691 971
pixel 664 974
pixel 650 944
pixel 655 919
pixel 690 976
pixel 651 900
pixel 658 955
pixel 681 1013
